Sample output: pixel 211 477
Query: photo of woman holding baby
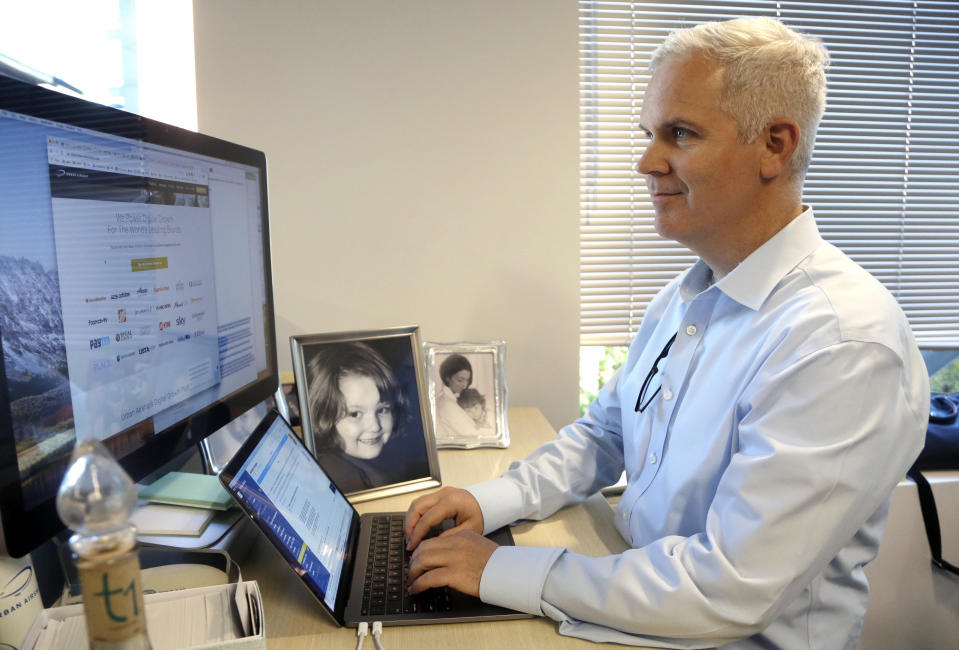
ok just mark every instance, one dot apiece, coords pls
pixel 467 387
pixel 363 419
pixel 452 420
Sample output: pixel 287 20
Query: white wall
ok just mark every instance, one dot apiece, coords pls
pixel 423 168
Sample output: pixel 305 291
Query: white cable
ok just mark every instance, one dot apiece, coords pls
pixel 361 632
pixel 377 631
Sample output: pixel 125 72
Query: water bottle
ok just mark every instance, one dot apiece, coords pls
pixel 95 499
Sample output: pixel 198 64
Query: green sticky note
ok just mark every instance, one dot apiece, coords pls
pixel 187 489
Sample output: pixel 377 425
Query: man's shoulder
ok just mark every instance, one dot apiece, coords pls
pixel 841 301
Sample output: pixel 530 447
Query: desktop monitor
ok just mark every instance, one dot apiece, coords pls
pixel 135 294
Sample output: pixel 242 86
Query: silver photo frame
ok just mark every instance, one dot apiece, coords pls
pixel 364 413
pixel 467 392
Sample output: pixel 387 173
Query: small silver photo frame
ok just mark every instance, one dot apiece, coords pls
pixel 467 392
pixel 363 410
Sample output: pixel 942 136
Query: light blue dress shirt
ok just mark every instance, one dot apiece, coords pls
pixel 759 478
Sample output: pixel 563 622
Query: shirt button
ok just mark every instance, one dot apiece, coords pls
pixel 691 330
pixel 653 459
pixel 667 395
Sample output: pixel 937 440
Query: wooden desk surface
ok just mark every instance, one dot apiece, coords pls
pixel 294 619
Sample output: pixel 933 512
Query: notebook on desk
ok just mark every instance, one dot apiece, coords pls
pixel 354 565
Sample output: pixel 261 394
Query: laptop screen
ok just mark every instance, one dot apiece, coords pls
pixel 294 501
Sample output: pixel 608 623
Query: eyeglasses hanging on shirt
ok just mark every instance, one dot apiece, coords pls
pixel 642 401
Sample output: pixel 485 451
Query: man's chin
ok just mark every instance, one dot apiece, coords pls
pixel 665 223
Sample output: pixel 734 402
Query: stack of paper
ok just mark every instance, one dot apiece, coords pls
pixel 159 519
pixel 181 503
pixel 187 489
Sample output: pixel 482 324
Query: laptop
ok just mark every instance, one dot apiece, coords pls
pixel 347 561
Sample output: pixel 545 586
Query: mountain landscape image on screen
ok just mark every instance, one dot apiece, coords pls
pixel 35 363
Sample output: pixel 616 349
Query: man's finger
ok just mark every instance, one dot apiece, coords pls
pixel 426 512
pixel 464 526
pixel 436 515
pixel 429 555
pixel 439 577
pixel 416 510
pixel 456 561
pixel 435 563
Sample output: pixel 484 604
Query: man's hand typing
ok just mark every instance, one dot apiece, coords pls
pixel 432 509
pixel 458 556
pixel 452 560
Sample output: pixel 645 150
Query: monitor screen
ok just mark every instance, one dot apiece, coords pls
pixel 135 293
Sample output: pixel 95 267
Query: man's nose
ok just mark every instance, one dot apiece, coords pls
pixel 652 161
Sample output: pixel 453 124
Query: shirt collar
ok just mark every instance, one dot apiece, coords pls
pixel 751 282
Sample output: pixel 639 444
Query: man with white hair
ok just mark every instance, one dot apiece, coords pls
pixel 771 400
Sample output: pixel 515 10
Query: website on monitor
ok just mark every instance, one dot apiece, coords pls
pixel 137 281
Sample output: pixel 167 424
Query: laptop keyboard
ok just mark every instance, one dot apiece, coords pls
pixel 387 568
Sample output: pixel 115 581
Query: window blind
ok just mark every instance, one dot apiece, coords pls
pixel 884 181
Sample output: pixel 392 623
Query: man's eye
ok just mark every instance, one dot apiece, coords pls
pixel 681 132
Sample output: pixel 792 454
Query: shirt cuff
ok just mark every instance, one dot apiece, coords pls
pixel 500 500
pixel 514 577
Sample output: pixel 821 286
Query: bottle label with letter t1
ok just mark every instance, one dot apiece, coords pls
pixel 112 598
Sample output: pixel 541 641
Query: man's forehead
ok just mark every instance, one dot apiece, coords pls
pixel 682 91
pixel 660 113
pixel 652 119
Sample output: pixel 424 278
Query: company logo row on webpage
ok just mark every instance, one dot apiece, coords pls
pixel 179 322
pixel 140 292
pixel 124 313
pixel 104 362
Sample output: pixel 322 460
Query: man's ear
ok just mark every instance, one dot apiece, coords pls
pixel 780 139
